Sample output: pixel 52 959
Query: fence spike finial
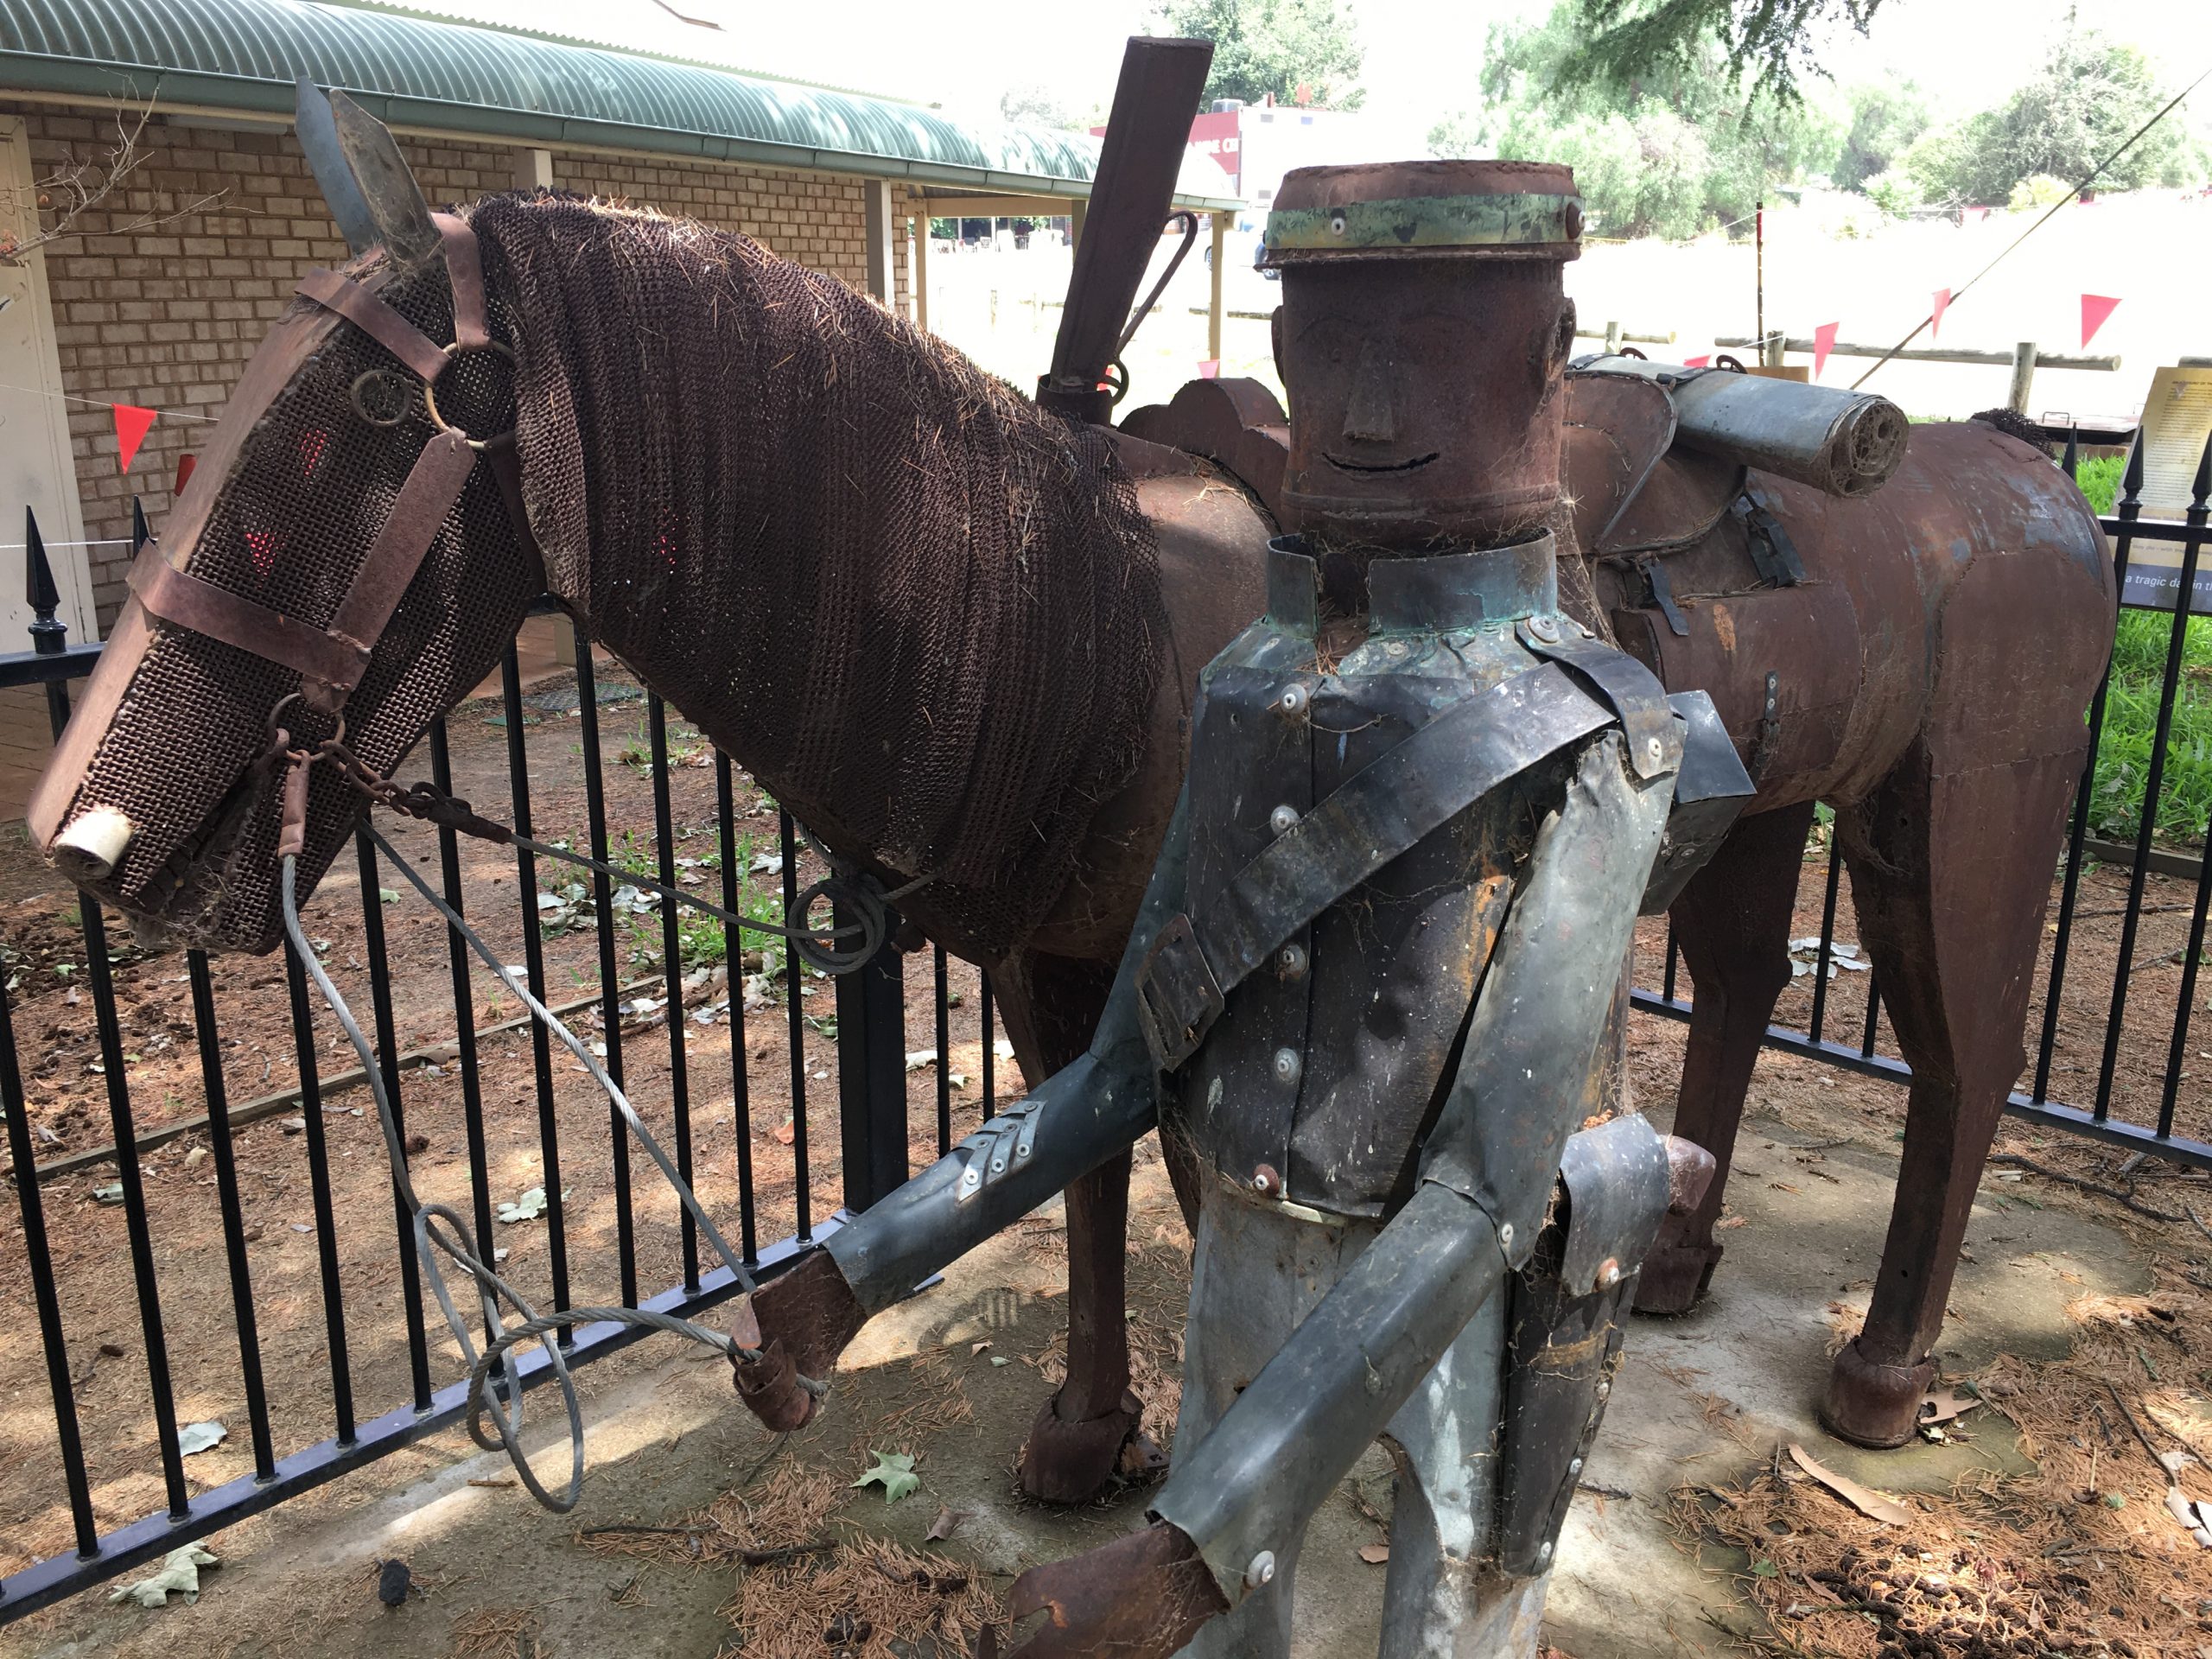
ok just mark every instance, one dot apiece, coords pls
pixel 141 533
pixel 2201 489
pixel 39 591
pixel 49 634
pixel 2073 461
pixel 2130 482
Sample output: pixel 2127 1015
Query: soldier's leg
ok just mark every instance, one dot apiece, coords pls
pixel 1258 1269
pixel 1445 1595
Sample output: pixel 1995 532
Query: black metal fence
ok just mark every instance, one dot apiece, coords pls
pixel 872 1062
pixel 874 1071
pixel 2101 1111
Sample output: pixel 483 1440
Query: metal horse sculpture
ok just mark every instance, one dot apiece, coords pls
pixel 1918 658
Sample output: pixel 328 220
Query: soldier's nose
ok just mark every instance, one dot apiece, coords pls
pixel 1368 415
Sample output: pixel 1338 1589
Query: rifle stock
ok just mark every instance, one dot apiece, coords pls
pixel 1131 196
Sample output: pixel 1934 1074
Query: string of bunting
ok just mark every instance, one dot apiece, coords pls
pixel 132 421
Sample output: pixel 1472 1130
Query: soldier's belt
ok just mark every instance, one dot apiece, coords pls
pixel 1369 820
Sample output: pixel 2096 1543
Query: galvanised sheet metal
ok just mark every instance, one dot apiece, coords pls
pixel 412 71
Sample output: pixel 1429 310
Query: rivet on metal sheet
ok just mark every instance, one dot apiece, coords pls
pixel 1505 1236
pixel 1266 1181
pixel 1287 1065
pixel 1290 962
pixel 1545 629
pixel 1262 1570
pixel 1294 701
pixel 1283 819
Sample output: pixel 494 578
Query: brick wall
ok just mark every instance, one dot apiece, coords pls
pixel 166 317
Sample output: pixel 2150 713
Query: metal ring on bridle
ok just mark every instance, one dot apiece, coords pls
pixel 868 910
pixel 430 392
pixel 1117 379
pixel 269 727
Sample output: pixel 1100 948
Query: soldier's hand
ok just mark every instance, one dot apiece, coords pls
pixel 803 1321
pixel 1141 1597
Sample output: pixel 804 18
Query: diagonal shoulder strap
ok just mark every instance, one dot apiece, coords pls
pixel 1369 820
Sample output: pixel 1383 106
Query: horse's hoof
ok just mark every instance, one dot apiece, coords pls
pixel 1871 1404
pixel 1071 1463
pixel 1675 1276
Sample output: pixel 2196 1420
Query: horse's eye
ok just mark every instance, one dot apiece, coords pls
pixel 382 396
pixel 312 443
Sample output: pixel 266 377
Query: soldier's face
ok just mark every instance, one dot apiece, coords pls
pixel 1424 398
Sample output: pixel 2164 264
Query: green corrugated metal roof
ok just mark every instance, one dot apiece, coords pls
pixel 414 71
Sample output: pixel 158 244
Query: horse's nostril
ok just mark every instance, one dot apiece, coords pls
pixel 92 844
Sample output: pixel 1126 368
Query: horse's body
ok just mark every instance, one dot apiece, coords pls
pixel 1933 670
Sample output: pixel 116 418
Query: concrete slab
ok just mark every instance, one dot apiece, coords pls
pixel 1704 1398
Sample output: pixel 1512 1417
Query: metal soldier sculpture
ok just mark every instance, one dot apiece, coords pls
pixel 1376 988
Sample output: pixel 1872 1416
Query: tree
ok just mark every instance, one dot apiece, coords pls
pixel 2090 95
pixel 1263 47
pixel 1887 115
pixel 1625 41
pixel 1678 152
pixel 1035 104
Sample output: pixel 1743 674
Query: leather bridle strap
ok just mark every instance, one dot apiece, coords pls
pixel 182 599
pixel 354 302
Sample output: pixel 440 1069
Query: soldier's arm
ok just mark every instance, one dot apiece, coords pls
pixel 1066 1128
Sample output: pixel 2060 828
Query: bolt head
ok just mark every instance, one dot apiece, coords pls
pixel 1653 747
pixel 1287 1065
pixel 1545 629
pixel 1505 1236
pixel 1291 962
pixel 1609 1275
pixel 1262 1569
pixel 1266 1181
pixel 1575 1467
pixel 1294 700
pixel 1283 819
pixel 1543 1556
pixel 1606 1389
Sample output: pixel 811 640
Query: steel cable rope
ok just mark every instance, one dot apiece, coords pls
pixel 2066 200
pixel 482 1395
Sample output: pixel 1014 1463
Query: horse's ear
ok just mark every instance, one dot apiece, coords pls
pixel 363 178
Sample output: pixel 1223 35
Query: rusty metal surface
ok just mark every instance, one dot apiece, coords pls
pixel 1618 428
pixel 1427 380
pixel 1679 503
pixel 1141 1597
pixel 1130 196
pixel 1233 421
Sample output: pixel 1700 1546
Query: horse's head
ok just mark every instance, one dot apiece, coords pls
pixel 343 552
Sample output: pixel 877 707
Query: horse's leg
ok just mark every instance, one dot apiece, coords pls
pixel 1951 876
pixel 1733 923
pixel 1052 1006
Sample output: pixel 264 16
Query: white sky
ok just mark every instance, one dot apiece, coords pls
pixel 1424 57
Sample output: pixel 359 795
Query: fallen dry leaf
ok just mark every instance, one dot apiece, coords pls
pixel 976 1348
pixel 1869 1502
pixel 785 1133
pixel 1944 1404
pixel 945 1522
pixel 1374 1555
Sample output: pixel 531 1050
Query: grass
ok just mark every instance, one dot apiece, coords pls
pixel 2138 664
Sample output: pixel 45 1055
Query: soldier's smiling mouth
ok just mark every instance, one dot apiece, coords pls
pixel 1413 465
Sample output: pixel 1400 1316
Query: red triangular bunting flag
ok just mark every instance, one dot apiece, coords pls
pixel 1823 343
pixel 1697 362
pixel 1209 368
pixel 1935 317
pixel 131 425
pixel 2095 307
pixel 184 466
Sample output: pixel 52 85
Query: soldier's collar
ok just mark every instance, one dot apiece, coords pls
pixel 1425 591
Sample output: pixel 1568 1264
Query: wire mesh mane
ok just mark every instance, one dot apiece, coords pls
pixel 924 614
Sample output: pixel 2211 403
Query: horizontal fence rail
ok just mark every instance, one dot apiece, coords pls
pixel 854 1057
